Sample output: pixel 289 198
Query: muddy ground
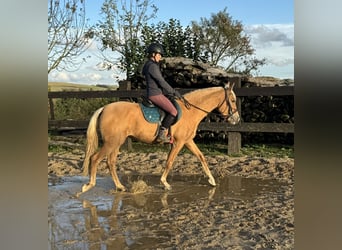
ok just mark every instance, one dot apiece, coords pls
pixel 252 206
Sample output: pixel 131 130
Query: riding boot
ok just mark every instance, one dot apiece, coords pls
pixel 162 136
pixel 168 121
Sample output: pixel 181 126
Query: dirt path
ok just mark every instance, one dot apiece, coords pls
pixel 251 207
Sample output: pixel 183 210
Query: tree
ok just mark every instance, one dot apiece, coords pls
pixel 222 42
pixel 173 38
pixel 176 40
pixel 68 35
pixel 120 31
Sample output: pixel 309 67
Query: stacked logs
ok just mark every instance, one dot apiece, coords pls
pixel 183 72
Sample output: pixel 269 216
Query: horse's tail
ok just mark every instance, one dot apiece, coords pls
pixel 92 140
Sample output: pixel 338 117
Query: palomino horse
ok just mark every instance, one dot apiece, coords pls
pixel 119 120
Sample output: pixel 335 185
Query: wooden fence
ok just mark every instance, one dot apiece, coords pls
pixel 234 131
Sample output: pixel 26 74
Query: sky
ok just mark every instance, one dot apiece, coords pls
pixel 269 24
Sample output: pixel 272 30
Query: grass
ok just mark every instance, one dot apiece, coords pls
pixel 266 151
pixel 210 148
pixel 64 86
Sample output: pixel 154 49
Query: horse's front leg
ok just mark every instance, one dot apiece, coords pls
pixel 169 162
pixel 195 150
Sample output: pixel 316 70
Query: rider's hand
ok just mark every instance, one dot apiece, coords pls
pixel 178 95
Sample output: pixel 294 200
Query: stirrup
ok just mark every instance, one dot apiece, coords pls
pixel 163 137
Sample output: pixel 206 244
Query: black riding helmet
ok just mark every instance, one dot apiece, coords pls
pixel 155 48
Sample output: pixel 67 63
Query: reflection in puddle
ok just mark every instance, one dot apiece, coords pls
pixel 156 219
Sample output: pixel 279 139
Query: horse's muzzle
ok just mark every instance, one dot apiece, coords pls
pixel 234 118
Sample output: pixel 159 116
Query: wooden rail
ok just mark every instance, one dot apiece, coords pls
pixel 252 91
pixel 234 132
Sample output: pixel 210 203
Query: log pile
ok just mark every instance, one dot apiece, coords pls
pixel 183 72
pixel 265 81
pixel 186 73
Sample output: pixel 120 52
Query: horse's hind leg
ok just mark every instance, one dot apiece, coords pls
pixel 111 163
pixel 195 150
pixel 95 160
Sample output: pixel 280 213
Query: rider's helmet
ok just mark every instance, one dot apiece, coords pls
pixel 155 48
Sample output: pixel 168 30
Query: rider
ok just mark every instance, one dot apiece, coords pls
pixel 158 90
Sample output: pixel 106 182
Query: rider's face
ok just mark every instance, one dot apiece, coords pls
pixel 157 57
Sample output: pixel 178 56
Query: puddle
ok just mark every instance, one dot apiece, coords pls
pixel 100 219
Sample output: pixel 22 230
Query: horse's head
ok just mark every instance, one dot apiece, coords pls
pixel 228 108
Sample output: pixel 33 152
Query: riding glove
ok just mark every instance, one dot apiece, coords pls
pixel 178 95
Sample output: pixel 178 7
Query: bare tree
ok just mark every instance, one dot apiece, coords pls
pixel 222 42
pixel 120 30
pixel 68 36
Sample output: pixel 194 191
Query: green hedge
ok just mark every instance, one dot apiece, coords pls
pixel 78 109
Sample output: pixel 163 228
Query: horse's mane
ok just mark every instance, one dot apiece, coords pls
pixel 199 96
pixel 194 92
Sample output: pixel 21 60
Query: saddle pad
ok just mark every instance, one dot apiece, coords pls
pixel 152 114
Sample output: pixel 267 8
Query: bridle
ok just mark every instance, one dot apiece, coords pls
pixel 230 109
pixel 226 100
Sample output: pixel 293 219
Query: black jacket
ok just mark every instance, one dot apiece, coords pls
pixel 155 82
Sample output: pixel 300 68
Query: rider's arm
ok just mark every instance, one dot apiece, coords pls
pixel 156 74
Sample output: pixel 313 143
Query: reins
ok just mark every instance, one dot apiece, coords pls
pixel 230 112
pixel 188 105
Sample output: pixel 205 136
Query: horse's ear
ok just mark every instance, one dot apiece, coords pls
pixel 229 85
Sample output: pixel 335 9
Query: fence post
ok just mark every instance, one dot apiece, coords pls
pixel 51 109
pixel 126 85
pixel 234 138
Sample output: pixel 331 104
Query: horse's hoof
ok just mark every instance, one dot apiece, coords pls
pixel 86 187
pixel 212 182
pixel 121 189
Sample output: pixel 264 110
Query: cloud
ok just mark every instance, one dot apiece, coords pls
pixel 281 61
pixel 264 35
pixel 76 77
pixel 275 43
pixel 59 77
pixel 92 77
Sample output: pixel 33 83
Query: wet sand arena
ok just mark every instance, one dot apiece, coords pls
pixel 239 213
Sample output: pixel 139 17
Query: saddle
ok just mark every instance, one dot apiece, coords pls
pixel 154 114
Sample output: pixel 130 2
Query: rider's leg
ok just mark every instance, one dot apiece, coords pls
pixel 166 124
pixel 164 103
